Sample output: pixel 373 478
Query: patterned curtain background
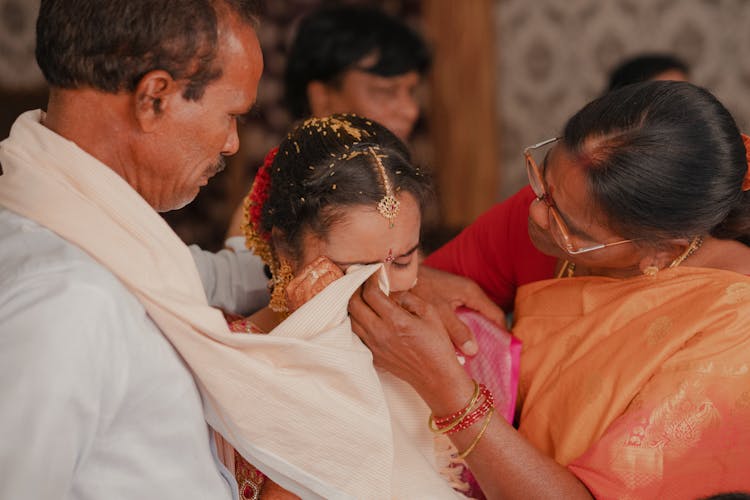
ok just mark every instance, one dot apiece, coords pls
pixel 553 56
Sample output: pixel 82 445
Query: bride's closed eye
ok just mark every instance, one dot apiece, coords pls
pixel 400 262
pixel 401 265
pixel 406 259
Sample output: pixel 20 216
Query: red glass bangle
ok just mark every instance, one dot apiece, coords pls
pixel 443 421
pixel 434 427
pixel 466 417
pixel 473 417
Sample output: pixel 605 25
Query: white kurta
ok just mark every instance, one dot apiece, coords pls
pixel 95 402
pixel 232 279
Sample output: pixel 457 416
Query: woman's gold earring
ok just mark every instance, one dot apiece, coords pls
pixel 651 271
pixel 281 278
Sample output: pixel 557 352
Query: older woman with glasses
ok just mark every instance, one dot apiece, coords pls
pixel 635 370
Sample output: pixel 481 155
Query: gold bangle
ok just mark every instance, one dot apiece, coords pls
pixel 473 444
pixel 431 421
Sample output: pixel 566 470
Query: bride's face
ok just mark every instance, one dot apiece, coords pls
pixel 363 236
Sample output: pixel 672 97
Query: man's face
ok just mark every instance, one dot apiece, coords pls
pixel 390 101
pixel 194 136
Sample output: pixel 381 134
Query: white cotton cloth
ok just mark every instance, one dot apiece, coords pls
pixel 415 468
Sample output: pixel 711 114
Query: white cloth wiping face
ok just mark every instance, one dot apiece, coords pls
pixel 402 415
pixel 383 281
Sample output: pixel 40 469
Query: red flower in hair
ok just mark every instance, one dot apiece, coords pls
pixel 259 194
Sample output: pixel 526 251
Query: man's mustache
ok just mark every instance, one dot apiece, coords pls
pixel 220 165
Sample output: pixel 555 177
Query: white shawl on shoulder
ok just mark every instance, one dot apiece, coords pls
pixel 303 404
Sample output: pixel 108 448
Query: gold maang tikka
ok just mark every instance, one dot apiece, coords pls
pixel 388 206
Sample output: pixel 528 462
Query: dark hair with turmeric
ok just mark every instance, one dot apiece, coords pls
pixel 326 165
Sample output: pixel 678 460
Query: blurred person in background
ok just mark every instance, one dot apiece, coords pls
pixel 648 66
pixel 353 59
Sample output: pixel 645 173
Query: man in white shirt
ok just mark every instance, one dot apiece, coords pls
pixel 96 401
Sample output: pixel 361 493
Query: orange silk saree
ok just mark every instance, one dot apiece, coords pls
pixel 640 386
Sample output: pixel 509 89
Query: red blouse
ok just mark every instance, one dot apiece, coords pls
pixel 496 251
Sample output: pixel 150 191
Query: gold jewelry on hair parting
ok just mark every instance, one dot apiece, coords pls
pixel 388 206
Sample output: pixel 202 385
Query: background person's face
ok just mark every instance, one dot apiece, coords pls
pixel 194 136
pixel 363 236
pixel 671 74
pixel 390 101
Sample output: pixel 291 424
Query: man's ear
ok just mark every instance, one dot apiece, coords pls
pixel 153 95
pixel 662 256
pixel 319 97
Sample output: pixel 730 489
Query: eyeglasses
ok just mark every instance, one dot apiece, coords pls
pixel 559 230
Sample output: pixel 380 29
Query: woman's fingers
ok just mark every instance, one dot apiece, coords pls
pixel 413 304
pixel 375 298
pixel 367 317
pixel 443 291
pixel 461 336
pixel 405 336
pixel 360 311
pixel 440 287
pixel 366 337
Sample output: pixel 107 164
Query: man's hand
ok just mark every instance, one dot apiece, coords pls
pixel 447 292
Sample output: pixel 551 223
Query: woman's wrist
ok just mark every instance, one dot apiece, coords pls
pixel 449 393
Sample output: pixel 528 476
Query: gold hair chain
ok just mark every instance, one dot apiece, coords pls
pixel 388 206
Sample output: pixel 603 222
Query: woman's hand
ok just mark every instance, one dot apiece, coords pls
pixel 447 292
pixel 311 281
pixel 408 339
